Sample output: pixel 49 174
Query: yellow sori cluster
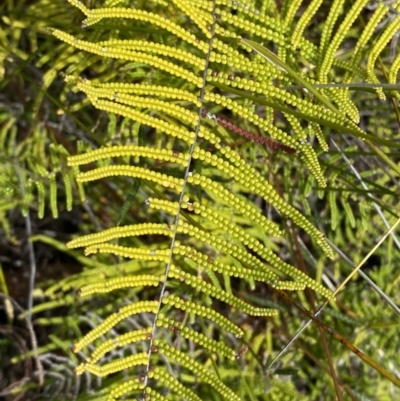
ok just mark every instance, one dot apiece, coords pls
pixel 202 372
pixel 113 3
pixel 221 222
pixel 251 27
pixel 158 91
pixel 344 103
pixel 174 130
pixel 268 255
pixel 309 156
pixel 208 263
pixel 131 171
pixel 253 182
pixel 119 341
pixel 379 46
pixel 80 5
pixel 153 47
pixel 128 150
pixel 307 49
pixel 335 11
pixel 298 130
pixel 202 19
pixel 366 35
pixel 261 187
pixel 317 131
pixel 98 14
pixel 233 229
pixel 142 102
pixel 261 86
pixel 120 232
pixel 245 8
pixel 117 283
pixel 225 33
pixel 127 387
pixel 153 395
pixel 112 320
pixel 310 159
pixel 162 204
pixel 293 286
pixel 394 70
pixel 270 195
pixel 231 57
pixel 214 346
pixel 330 52
pixel 247 209
pixel 250 260
pixel 204 311
pixel 339 119
pixel 170 382
pixel 115 366
pixel 160 255
pixel 217 293
pixel 124 54
pixel 353 69
pixel 304 21
pixel 265 88
pixel 237 252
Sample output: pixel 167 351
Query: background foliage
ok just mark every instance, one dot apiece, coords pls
pixel 50 111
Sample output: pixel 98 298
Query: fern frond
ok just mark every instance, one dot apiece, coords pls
pixel 112 320
pixel 209 289
pixel 217 347
pixel 114 366
pixel 393 73
pixel 167 379
pixel 118 283
pixel 366 35
pixel 201 310
pixel 291 10
pixel 304 21
pixel 204 374
pixel 123 54
pixel 378 47
pixel 119 341
pixel 338 38
pixel 120 232
pixel 125 388
pixel 335 10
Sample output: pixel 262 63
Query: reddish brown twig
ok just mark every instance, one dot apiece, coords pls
pixel 270 143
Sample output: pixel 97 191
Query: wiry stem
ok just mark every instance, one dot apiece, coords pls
pixel 32 277
pixel 152 347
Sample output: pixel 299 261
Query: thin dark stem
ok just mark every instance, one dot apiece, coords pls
pixel 32 336
pixel 152 347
